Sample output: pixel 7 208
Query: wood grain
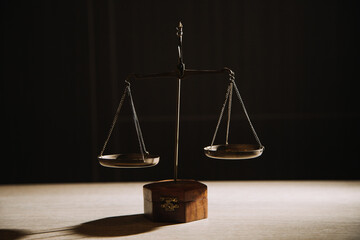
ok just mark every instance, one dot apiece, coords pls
pixel 190 196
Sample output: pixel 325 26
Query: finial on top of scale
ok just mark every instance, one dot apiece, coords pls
pixel 179 29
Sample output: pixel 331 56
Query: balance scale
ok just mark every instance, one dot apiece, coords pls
pixel 179 200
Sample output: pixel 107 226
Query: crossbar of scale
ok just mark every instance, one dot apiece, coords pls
pixel 175 74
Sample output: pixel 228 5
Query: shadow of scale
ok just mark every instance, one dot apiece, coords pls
pixel 179 200
pixel 117 226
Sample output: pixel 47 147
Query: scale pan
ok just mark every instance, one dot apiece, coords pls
pixel 131 160
pixel 233 151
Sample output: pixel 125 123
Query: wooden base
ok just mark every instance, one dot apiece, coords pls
pixel 175 201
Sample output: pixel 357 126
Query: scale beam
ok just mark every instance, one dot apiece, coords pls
pixel 176 75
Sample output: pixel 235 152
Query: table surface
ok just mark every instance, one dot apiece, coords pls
pixel 237 210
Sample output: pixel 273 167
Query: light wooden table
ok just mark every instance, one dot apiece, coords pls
pixel 237 210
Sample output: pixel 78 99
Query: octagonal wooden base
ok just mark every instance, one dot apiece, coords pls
pixel 175 201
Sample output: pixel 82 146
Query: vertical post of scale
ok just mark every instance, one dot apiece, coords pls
pixel 181 69
pixel 196 192
pixel 176 157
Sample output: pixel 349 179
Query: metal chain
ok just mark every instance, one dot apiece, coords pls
pixel 232 79
pixel 221 114
pixel 229 113
pixel 135 118
pixel 114 120
pixel 228 98
pixel 137 127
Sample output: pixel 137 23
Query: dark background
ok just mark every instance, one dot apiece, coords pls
pixel 64 64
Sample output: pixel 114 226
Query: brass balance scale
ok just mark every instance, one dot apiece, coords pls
pixel 179 200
